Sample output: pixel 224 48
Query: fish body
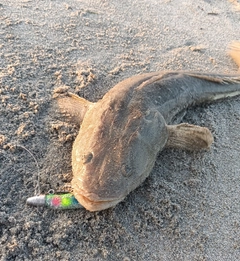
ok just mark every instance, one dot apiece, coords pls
pixel 121 134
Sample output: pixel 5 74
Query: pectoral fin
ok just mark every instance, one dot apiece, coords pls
pixel 189 137
pixel 73 106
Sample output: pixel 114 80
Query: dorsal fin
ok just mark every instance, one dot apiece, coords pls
pixel 73 106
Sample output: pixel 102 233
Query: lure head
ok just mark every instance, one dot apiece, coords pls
pixel 115 150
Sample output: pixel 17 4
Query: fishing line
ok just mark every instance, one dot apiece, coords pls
pixel 37 189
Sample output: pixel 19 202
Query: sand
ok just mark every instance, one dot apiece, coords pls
pixel 189 207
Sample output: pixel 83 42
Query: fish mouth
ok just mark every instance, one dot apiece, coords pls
pixel 92 204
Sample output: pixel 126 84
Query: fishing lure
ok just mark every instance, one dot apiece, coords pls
pixel 55 201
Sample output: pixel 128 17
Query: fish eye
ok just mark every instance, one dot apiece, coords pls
pixel 87 158
pixel 126 170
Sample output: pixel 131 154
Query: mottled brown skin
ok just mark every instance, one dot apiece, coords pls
pixel 122 134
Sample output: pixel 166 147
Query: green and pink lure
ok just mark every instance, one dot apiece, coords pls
pixel 55 201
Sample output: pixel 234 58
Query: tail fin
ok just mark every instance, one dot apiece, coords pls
pixel 234 52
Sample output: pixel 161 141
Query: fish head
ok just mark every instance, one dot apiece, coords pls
pixel 115 151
